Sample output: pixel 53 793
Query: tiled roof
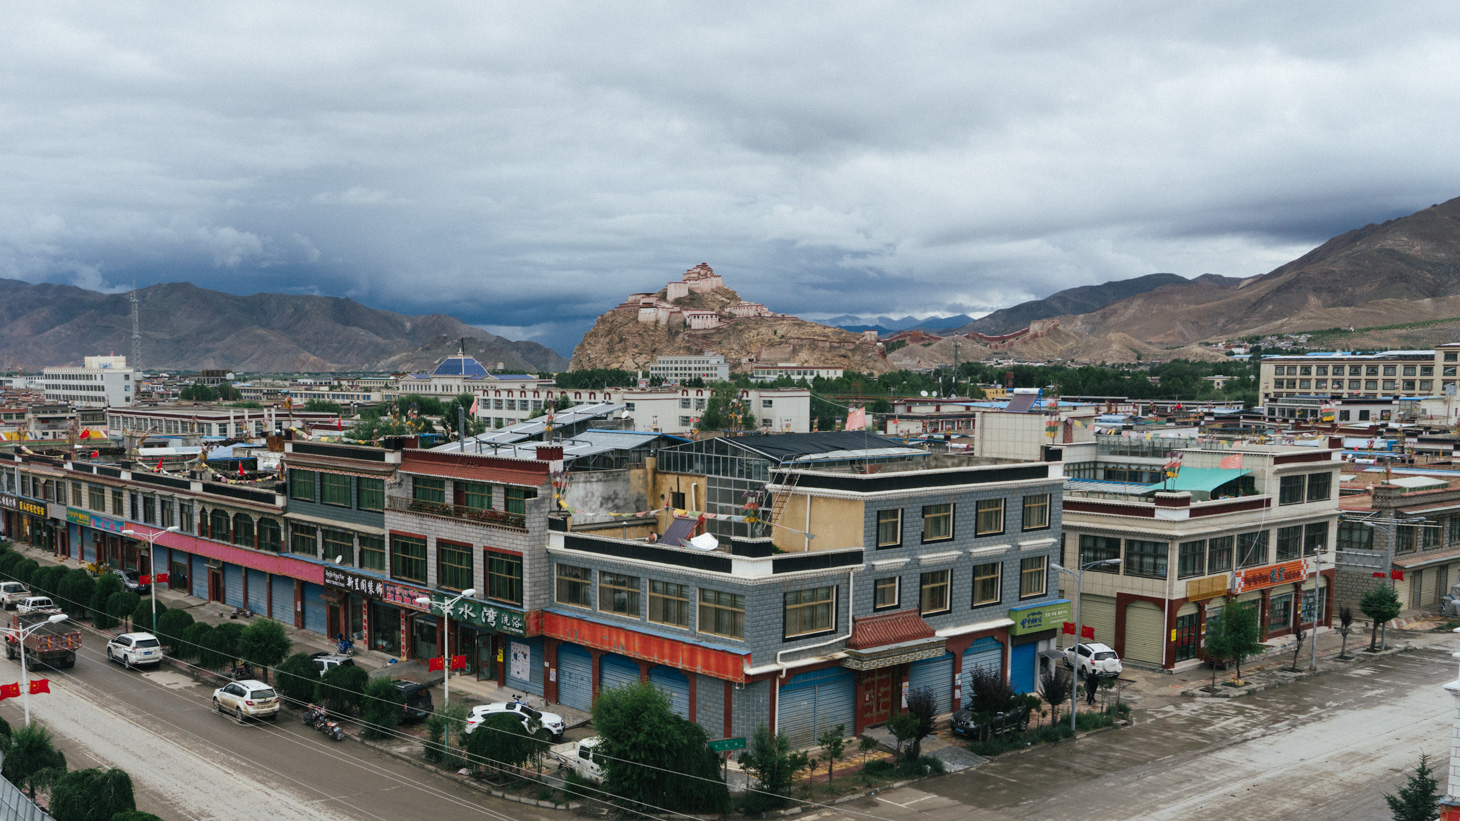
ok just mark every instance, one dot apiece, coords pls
pixel 887 629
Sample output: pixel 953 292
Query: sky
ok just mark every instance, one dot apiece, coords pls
pixel 525 166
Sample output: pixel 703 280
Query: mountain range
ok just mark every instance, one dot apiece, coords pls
pixel 886 324
pixel 184 327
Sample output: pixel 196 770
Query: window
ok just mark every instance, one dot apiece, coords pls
pixel 575 586
pixel 1290 490
pixel 1036 512
pixel 885 593
pixel 618 594
pixel 303 539
pixel 1099 549
pixel 1219 554
pixel 1280 612
pixel 668 603
pixel 96 496
pixel 243 529
pixel 1191 559
pixel 372 552
pixel 722 614
pixel 334 489
pixel 1289 543
pixel 1320 486
pixel 370 493
pixel 219 525
pixel 1252 549
pixel 164 506
pixel 934 593
pixel 1354 536
pixel 1033 576
pixel 1315 535
pixel 424 489
pixel 517 500
pixel 301 485
pixel 1145 559
pixel 476 495
pixel 149 509
pixel 989 520
pixel 504 577
pixel 810 612
pixel 185 516
pixel 1405 538
pixel 889 527
pixel 986 583
pixel 454 570
pixel 408 558
pixel 937 522
pixel 271 536
pixel 1454 529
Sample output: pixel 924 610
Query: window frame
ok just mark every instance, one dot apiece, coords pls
pixel 302 485
pixel 1041 504
pixel 1289 543
pixel 404 560
pixel 372 552
pixel 1146 564
pixel 733 610
pixel 496 581
pixel 445 549
pixel 989 508
pixel 1027 573
pixel 1191 559
pixel 932 515
pixel 980 574
pixel 297 534
pixel 932 581
pixel 669 596
pixel 428 489
pixel 330 484
pixel 612 586
pixel 482 491
pixel 1246 548
pixel 814 604
pixel 1099 549
pixel 1324 480
pixel 1292 489
pixel 577 588
pixel 879 586
pixel 370 493
pixel 895 524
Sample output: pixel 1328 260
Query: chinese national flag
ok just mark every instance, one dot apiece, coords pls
pixel 86 434
pixel 9 691
pixel 159 465
pixel 475 403
pixel 1378 575
pixel 240 468
pixel 1068 628
pixel 435 664
pixel 1397 575
pixel 161 578
pixel 40 685
pixel 94 454
pixel 458 662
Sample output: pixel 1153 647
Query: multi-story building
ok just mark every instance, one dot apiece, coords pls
pixel 1403 531
pixel 791 370
pixel 677 410
pixel 191 423
pixel 102 381
pixel 678 368
pixel 1369 376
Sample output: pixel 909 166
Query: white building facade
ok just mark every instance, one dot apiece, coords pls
pixel 101 382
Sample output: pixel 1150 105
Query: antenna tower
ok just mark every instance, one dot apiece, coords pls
pixel 136 332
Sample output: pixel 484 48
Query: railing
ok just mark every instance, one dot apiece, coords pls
pixel 500 518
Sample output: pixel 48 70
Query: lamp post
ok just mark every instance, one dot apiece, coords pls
pixel 1079 575
pixel 446 643
pixel 152 564
pixel 1317 603
pixel 21 634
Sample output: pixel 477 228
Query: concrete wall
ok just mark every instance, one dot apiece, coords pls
pixel 594 494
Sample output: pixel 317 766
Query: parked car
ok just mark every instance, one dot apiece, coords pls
pixel 249 698
pixel 984 725
pixel 11 593
pixel 578 757
pixel 1449 605
pixel 36 604
pixel 416 702
pixel 134 648
pixel 329 661
pixel 132 580
pixel 532 720
pixel 1094 657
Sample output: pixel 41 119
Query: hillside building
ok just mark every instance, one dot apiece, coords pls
pixel 677 368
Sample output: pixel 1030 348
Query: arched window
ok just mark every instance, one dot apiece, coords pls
pixel 218 526
pixel 243 529
pixel 271 536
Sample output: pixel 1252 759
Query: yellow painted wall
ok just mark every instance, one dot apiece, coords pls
pixel 836 523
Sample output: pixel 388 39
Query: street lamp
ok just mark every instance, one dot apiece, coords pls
pixel 1317 602
pixel 1079 583
pixel 152 564
pixel 21 634
pixel 446 606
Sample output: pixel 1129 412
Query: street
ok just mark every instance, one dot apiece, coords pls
pixel 187 762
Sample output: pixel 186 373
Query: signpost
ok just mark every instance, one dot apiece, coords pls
pixel 725 745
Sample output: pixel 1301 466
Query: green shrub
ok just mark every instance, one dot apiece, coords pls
pixel 576 786
pixel 880 768
pixel 342 689
pixel 107 586
pixel 1093 721
pixel 142 615
pixel 171 626
pixel 296 678
pixel 382 708
pixel 121 605
pixel 1051 733
pixel 44 582
pixel 24 570
pixel 195 641
pixel 74 592
pixel 437 750
pixel 998 745
pixel 8 561
pixel 221 648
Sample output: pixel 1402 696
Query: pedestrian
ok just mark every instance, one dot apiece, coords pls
pixel 1092 682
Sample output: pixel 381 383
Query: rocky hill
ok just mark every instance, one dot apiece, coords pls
pixel 187 327
pixel 1079 300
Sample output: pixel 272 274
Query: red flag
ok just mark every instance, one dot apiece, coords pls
pixel 159 465
pixel 435 664
pixel 1397 575
pixel 9 691
pixel 161 578
pixel 1233 462
pixel 474 406
pixel 1068 628
pixel 240 468
pixel 86 434
pixel 144 579
pixel 1378 575
pixel 339 423
pixel 94 454
pixel 458 662
pixel 1087 632
pixel 40 685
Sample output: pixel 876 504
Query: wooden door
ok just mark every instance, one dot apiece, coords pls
pixel 215 584
pixel 877 696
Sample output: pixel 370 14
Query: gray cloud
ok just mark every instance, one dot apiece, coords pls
pixel 525 166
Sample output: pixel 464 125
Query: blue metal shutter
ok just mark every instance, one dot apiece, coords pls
pixel 937 675
pixel 675 684
pixel 986 653
pixel 531 651
pixel 258 592
pixel 1023 664
pixel 812 703
pixel 162 560
pixel 575 677
pixel 200 577
pixel 88 551
pixel 616 671
pixel 283 609
pixel 315 616
pixel 233 585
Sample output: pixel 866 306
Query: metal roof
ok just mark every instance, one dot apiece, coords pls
pixel 785 447
pixel 1197 480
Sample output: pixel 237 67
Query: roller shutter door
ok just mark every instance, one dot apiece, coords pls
pixel 258 591
pixel 675 684
pixel 233 585
pixel 1098 613
pixel 985 653
pixel 812 703
pixel 1144 629
pixel 316 617
pixel 575 677
pixel 283 609
pixel 937 675
pixel 1023 666
pixel 88 552
pixel 616 671
pixel 200 577
pixel 527 653
pixel 162 560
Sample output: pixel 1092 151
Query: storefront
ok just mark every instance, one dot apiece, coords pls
pixel 99 537
pixel 390 617
pixel 26 520
pixel 479 629
pixel 1036 628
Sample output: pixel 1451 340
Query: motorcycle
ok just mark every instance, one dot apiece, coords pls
pixel 240 672
pixel 313 714
pixel 344 646
pixel 317 717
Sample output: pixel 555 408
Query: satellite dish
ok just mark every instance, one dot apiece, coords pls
pixel 925 393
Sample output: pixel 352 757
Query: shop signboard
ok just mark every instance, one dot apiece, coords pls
pixel 401 595
pixel 93 521
pixel 477 613
pixel 1035 618
pixel 1256 578
pixel 1206 588
pixel 25 506
pixel 7 501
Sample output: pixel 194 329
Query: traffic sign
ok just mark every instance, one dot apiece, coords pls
pixel 725 745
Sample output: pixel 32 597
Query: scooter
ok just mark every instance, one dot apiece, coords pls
pixel 344 646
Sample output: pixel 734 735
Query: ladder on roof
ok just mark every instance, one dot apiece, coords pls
pixel 782 498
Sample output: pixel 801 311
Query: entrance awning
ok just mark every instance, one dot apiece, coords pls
pixel 891 638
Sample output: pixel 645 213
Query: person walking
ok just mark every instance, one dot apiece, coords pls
pixel 1092 682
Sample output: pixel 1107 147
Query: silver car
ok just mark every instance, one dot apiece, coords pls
pixel 249 698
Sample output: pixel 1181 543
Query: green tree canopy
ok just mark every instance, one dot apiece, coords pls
pixel 75 591
pixel 92 795
pixel 1419 798
pixel 31 758
pixel 1236 635
pixel 382 708
pixel 653 757
pixel 264 642
pixel 342 689
pixel 500 741
pixel 107 585
pixel 323 406
pixel 1380 604
pixel 171 626
pixel 297 677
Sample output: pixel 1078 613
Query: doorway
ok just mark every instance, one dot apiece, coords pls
pixel 877 696
pixel 215 584
pixel 1187 636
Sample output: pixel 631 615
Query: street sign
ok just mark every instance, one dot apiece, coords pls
pixel 725 745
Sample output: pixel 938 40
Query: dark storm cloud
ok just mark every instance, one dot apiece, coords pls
pixel 524 167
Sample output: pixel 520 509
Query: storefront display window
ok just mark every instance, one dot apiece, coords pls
pixel 1280 612
pixel 384 628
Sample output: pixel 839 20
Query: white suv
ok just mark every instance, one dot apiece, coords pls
pixel 1095 658
pixel 531 719
pixel 248 698
pixel 134 648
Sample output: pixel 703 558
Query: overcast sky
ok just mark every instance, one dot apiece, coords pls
pixel 525 166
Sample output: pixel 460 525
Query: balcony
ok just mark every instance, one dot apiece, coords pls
pixel 496 518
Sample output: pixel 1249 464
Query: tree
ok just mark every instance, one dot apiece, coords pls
pixel 1235 636
pixel 1380 604
pixel 774 764
pixel 222 645
pixel 31 758
pixel 833 746
pixel 171 625
pixel 342 689
pixel 989 691
pixel 197 392
pixel 195 642
pixel 143 614
pixel 75 590
pixel 8 563
pixel 725 409
pixel 25 569
pixel 46 580
pixel 92 795
pixel 653 757
pixel 438 746
pixel 120 606
pixel 135 815
pixel 501 741
pixel 903 727
pixel 1054 688
pixel 1345 626
pixel 322 406
pixel 264 642
pixel 106 586
pixel 1419 798
pixel 382 708
pixel 1299 635
pixel 296 678
pixel 922 705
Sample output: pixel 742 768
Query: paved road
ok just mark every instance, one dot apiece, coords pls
pixel 189 763
pixel 1328 747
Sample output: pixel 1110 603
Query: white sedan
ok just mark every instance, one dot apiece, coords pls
pixel 531 719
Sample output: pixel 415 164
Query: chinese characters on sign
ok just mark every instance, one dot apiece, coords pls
pixel 1257 578
pixel 17 503
pixel 91 520
pixel 486 615
pixel 398 594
